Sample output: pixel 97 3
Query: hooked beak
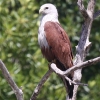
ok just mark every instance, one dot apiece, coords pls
pixel 40 11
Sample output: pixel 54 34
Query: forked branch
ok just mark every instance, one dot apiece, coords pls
pixel 75 67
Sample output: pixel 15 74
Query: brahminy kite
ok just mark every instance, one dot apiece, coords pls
pixel 54 42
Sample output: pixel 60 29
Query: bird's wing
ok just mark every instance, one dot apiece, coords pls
pixel 59 43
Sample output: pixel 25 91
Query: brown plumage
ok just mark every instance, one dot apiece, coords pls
pixel 59 48
pixel 59 44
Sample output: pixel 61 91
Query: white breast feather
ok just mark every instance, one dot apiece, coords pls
pixel 41 34
pixel 42 39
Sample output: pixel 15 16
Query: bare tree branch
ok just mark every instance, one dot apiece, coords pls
pixel 39 86
pixel 64 74
pixel 73 82
pixel 18 92
pixel 82 8
pixel 84 45
pixel 75 67
pixel 90 8
pixel 96 14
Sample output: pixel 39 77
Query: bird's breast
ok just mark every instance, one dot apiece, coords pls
pixel 42 38
pixel 41 34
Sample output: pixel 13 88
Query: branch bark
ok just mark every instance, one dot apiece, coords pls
pixel 75 67
pixel 84 45
pixel 18 92
pixel 82 9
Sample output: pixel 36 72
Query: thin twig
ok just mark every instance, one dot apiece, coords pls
pixel 18 92
pixel 73 82
pixel 39 86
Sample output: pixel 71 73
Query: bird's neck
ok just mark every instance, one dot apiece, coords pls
pixel 49 17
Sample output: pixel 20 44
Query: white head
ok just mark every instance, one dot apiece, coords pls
pixel 48 9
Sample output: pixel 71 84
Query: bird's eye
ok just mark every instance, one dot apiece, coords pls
pixel 46 7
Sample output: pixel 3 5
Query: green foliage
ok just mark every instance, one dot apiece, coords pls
pixel 20 52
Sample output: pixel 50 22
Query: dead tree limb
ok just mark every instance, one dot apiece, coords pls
pixel 75 67
pixel 84 45
pixel 18 92
pixel 39 86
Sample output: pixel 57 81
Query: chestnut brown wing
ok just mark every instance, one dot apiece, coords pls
pixel 59 43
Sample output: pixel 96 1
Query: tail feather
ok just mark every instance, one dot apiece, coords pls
pixel 69 88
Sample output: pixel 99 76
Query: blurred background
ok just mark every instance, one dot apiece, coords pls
pixel 19 49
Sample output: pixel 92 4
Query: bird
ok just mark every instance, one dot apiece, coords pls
pixel 54 42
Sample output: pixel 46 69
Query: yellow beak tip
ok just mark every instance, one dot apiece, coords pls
pixel 40 11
